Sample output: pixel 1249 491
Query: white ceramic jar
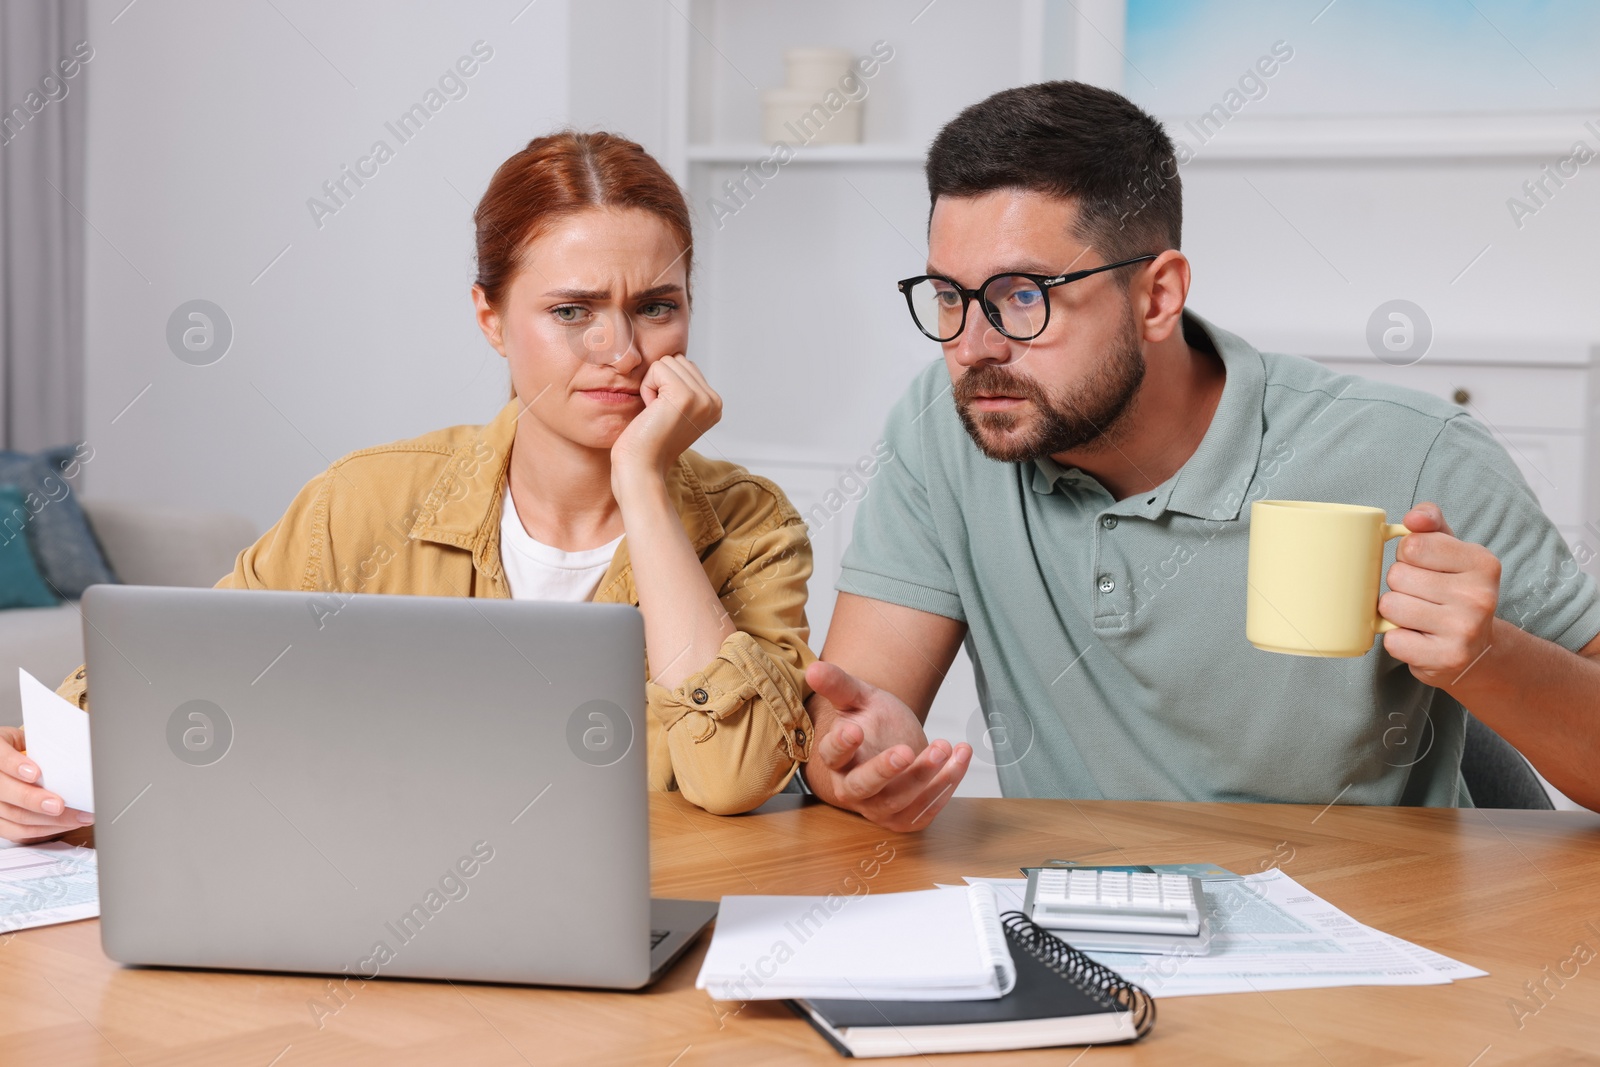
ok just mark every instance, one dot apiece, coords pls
pixel 813 107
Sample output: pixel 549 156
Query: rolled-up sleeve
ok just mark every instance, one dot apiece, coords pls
pixel 75 688
pixel 737 728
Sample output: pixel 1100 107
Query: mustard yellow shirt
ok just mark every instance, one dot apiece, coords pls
pixel 423 517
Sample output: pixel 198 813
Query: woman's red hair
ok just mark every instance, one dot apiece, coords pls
pixel 560 175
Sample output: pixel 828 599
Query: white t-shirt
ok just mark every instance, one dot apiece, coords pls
pixel 536 571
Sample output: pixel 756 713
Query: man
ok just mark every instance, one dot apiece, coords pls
pixel 1071 496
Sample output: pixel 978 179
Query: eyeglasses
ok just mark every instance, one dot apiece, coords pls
pixel 1018 305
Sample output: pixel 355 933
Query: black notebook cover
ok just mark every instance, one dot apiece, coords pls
pixel 1054 982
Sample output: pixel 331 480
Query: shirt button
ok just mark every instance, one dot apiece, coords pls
pixel 1109 522
pixel 1108 584
pixel 699 696
pixel 800 738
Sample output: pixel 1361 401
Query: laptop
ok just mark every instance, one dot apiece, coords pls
pixel 375 786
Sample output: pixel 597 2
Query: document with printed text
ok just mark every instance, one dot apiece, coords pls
pixel 1269 933
pixel 45 884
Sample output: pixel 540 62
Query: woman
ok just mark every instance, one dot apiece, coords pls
pixel 583 487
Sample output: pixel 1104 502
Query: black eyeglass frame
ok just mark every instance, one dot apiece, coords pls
pixel 1045 282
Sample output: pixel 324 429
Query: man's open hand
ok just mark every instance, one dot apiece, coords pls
pixel 1442 592
pixel 874 758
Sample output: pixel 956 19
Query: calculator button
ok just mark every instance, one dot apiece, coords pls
pixel 1116 901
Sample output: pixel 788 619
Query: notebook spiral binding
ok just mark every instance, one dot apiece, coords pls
pixel 1102 983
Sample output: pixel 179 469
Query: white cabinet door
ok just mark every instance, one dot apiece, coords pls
pixel 1505 398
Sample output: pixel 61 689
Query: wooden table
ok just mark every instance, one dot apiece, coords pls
pixel 1510 892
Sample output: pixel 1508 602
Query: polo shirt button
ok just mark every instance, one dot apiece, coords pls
pixel 699 696
pixel 1109 522
pixel 1108 584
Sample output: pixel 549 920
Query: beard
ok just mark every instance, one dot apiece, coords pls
pixel 1090 414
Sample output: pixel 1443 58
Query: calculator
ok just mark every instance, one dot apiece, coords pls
pixel 1118 910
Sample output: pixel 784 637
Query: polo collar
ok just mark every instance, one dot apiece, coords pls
pixel 464 506
pixel 1213 482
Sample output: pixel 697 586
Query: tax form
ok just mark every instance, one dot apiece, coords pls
pixel 1269 933
pixel 45 884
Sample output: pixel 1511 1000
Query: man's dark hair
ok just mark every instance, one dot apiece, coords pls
pixel 1074 141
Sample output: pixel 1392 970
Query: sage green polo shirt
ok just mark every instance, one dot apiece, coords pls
pixel 1108 636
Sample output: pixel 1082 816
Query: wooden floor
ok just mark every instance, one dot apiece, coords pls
pixel 1515 893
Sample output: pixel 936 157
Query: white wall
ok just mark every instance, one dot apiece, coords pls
pixel 210 126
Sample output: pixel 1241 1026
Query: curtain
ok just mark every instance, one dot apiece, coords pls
pixel 43 68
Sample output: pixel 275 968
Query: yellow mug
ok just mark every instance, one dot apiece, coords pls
pixel 1313 577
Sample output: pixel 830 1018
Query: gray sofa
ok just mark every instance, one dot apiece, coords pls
pixel 146 546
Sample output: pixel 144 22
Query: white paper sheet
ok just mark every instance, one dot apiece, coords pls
pixel 922 945
pixel 1271 933
pixel 57 735
pixel 48 883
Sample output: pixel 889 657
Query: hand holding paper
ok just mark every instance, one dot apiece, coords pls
pixel 47 791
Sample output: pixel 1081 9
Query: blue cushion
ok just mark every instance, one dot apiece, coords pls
pixel 20 583
pixel 47 510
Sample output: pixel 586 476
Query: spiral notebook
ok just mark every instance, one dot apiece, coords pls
pixel 1061 997
pixel 934 944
